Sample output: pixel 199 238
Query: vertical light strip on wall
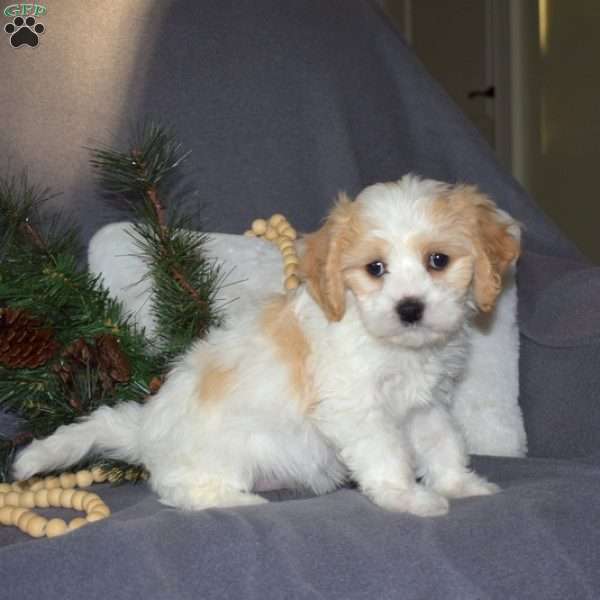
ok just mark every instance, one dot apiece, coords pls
pixel 543 25
pixel 543 17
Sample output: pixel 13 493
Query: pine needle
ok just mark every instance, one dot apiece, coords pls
pixel 185 282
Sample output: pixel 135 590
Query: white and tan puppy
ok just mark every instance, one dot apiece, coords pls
pixel 350 376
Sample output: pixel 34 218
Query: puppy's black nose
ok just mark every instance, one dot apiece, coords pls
pixel 410 310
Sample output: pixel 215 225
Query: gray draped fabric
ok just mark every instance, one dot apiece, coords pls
pixel 283 104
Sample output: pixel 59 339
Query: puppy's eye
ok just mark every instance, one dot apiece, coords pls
pixel 376 268
pixel 437 261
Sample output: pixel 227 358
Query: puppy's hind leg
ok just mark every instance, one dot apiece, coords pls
pixel 210 493
pixel 203 484
pixel 442 458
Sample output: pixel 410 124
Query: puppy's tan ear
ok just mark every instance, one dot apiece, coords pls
pixel 496 240
pixel 320 265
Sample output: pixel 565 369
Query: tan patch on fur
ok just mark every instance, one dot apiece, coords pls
pixel 360 282
pixel 472 215
pixel 216 383
pixel 354 263
pixel 281 325
pixel 460 275
pixel 321 264
pixel 364 251
pixel 459 272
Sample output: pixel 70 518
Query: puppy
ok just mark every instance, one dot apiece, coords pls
pixel 349 377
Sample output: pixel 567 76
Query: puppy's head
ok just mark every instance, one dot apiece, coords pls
pixel 415 254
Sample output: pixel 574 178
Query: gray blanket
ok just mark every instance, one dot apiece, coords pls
pixel 283 104
pixel 537 539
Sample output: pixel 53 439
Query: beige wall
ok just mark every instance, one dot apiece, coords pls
pixel 63 88
pixel 437 33
pixel 566 159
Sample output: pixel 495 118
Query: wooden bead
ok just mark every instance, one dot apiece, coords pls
pixel 17 512
pixel 77 499
pixel 89 497
pixel 54 496
pixel 77 523
pixel 39 484
pixel 24 520
pixel 95 516
pixel 285 242
pixel 88 500
pixel 51 482
pixel 289 232
pixel 31 482
pixel 282 227
pixel 259 226
pixel 249 233
pixel 17 486
pixel 27 499
pixel 290 260
pixel 99 475
pixel 92 506
pixel 276 219
pixel 2 502
pixel 36 527
pixel 288 252
pixel 55 527
pixel 291 282
pixel 41 498
pixel 84 478
pixel 6 515
pixel 66 498
pixel 5 488
pixel 12 499
pixel 67 480
pixel 290 269
pixel 102 509
pixel 271 234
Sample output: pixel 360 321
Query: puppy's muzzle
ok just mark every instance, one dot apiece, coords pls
pixel 410 310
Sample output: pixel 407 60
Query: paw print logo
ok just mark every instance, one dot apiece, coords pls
pixel 24 32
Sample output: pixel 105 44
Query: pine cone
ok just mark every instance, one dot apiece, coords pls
pixel 104 359
pixel 24 343
pixel 81 353
pixel 112 360
pixel 155 385
pixel 77 361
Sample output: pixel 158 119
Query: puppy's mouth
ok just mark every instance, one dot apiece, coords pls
pixel 415 335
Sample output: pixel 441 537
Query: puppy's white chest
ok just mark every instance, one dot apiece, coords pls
pixel 407 382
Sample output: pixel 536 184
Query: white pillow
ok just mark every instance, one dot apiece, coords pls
pixel 486 400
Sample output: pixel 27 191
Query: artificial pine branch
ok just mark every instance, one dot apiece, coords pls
pixel 44 290
pixel 185 283
pixel 101 358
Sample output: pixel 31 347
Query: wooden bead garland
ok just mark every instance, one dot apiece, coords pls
pixel 276 229
pixel 16 500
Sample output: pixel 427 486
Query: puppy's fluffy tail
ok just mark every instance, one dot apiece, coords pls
pixel 110 432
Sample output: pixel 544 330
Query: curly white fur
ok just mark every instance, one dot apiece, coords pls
pixel 333 381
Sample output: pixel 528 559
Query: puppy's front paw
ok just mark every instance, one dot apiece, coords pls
pixel 416 500
pixel 463 485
